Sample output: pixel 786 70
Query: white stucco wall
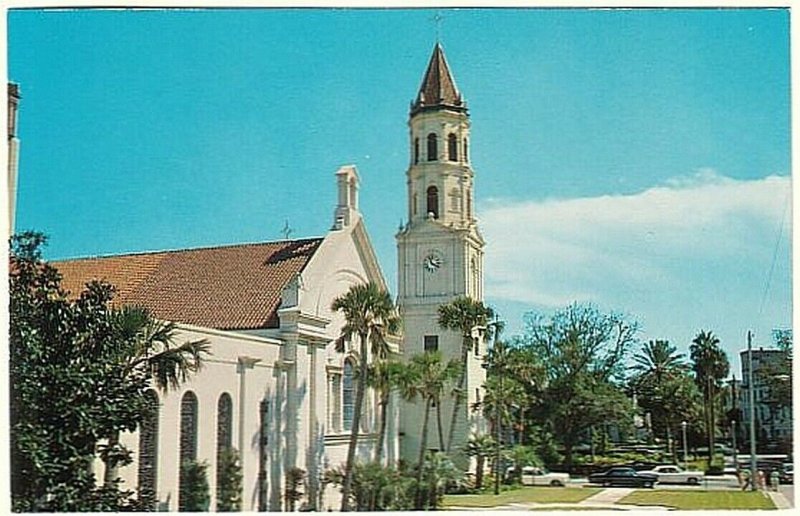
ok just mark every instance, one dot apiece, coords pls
pixel 291 368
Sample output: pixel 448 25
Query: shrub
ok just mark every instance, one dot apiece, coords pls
pixel 229 482
pixel 292 493
pixel 194 495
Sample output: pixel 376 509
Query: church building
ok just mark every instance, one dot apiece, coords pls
pixel 274 387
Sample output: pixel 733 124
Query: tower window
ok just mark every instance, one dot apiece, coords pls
pixel 452 147
pixel 466 150
pixel 414 204
pixel 433 201
pixel 432 147
pixel 416 150
pixel 431 343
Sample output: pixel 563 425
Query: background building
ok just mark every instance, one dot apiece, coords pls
pixel 773 423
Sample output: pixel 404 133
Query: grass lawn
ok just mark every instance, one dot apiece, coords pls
pixel 687 500
pixel 523 494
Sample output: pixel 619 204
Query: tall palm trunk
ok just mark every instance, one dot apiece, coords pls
pixel 382 429
pixel 439 424
pixel 423 445
pixel 480 464
pixel 111 469
pixel 712 438
pixel 356 423
pixel 459 394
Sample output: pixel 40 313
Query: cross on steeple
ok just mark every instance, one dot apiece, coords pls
pixel 286 231
pixel 437 19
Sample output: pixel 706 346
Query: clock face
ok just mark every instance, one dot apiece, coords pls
pixel 432 263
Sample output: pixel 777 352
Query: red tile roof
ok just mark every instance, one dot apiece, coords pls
pixel 231 287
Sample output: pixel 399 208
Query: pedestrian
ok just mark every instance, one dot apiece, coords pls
pixel 745 479
pixel 774 479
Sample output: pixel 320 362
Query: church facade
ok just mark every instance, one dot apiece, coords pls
pixel 274 388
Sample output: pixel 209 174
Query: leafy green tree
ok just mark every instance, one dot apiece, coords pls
pixel 195 496
pixel 463 315
pixel 710 365
pixel 68 389
pixel 582 352
pixel 229 481
pixel 146 347
pixel 426 377
pixel 377 487
pixel 382 377
pixel 370 316
pixel 659 375
pixel 480 446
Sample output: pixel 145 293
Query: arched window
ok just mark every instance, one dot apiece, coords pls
pixel 188 443
pixel 148 453
pixel 224 431
pixel 416 150
pixel 432 147
pixel 348 391
pixel 452 147
pixel 466 150
pixel 433 201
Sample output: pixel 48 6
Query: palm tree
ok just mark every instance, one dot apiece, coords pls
pixel 479 446
pixel 463 314
pixel 382 378
pixel 658 369
pixel 146 346
pixel 426 377
pixel 369 315
pixel 710 366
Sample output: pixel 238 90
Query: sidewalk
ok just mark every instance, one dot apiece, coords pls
pixel 779 500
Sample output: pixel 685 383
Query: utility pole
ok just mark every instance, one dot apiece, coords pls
pixel 751 399
pixel 735 403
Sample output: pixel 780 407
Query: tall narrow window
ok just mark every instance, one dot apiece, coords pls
pixel 148 453
pixel 224 431
pixel 414 204
pixel 432 147
pixel 433 201
pixel 336 402
pixel 416 150
pixel 469 204
pixel 431 342
pixel 452 147
pixel 188 443
pixel 466 150
pixel 347 395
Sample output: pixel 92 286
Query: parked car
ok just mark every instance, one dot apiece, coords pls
pixel 668 474
pixel 626 477
pixel 787 475
pixel 535 476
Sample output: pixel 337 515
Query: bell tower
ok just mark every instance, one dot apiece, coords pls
pixel 440 250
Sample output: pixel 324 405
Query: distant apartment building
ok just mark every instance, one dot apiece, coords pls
pixel 773 424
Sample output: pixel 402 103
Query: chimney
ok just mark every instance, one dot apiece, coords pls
pixel 347 197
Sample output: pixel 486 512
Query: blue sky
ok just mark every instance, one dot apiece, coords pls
pixel 637 159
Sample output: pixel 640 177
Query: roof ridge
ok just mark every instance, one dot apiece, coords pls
pixel 187 249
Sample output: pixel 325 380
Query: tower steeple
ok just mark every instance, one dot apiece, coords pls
pixel 440 249
pixel 438 89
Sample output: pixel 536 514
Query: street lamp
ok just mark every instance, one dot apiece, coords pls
pixel 685 450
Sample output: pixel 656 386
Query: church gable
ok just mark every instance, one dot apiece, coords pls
pixel 230 288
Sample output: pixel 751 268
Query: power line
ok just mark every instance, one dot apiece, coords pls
pixel 775 253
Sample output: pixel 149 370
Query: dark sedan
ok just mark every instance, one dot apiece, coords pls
pixel 624 477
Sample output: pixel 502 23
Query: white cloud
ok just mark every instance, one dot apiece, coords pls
pixel 704 230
